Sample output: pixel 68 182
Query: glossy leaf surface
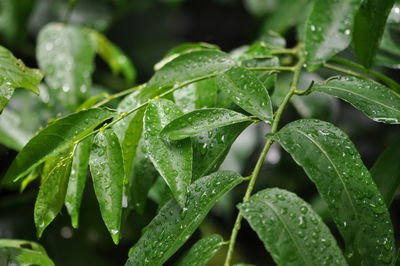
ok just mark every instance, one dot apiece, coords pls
pixel 77 179
pixel 369 25
pixel 290 229
pixel 375 100
pixel 170 229
pixel 54 138
pixel 329 29
pixel 23 256
pixel 201 252
pixel 201 120
pixel 107 169
pixel 386 172
pixel 331 161
pixel 247 91
pixel 173 159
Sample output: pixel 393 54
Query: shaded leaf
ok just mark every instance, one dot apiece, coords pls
pixel 286 224
pixel 54 138
pixel 170 229
pixel 201 120
pixel 17 243
pixel 247 91
pixel 23 256
pixel 375 100
pixel 331 161
pixel 386 172
pixel 201 252
pixel 328 29
pixel 173 160
pixel 107 169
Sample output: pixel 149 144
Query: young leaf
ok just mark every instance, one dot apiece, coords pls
pixel 170 229
pixel 290 229
pixel 328 29
pixel 23 256
pixel 66 54
pixel 52 190
pixel 247 91
pixel 14 74
pixel 173 160
pixel 187 68
pixel 369 25
pixel 107 169
pixel 386 172
pixel 373 99
pixel 77 179
pixel 54 138
pixel 201 252
pixel 331 161
pixel 201 120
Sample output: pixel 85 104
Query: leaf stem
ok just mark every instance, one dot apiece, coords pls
pixel 119 94
pixel 264 152
pixel 276 68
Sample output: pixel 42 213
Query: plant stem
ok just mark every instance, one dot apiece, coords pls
pixel 276 68
pixel 261 159
pixel 344 70
pixel 119 94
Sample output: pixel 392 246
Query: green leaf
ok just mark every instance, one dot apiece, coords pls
pixel 210 148
pixel 170 229
pixel 66 54
pixel 107 169
pixel 52 190
pixel 56 137
pixel 386 172
pixel 331 161
pixel 114 57
pixel 77 179
pixel 290 229
pixel 173 160
pixel 247 91
pixel 369 25
pixel 187 68
pixel 17 243
pixel 14 74
pixel 201 120
pixel 201 252
pixel 23 256
pixel 375 100
pixel 328 29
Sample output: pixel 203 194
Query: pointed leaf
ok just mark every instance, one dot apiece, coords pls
pixel 201 252
pixel 247 91
pixel 170 229
pixel 386 172
pixel 331 161
pixel 369 25
pixel 328 30
pixel 54 138
pixel 201 120
pixel 107 169
pixel 77 179
pixel 173 159
pixel 52 191
pixel 286 224
pixel 375 100
pixel 66 54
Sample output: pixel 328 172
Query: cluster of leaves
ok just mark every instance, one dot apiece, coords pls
pixel 172 134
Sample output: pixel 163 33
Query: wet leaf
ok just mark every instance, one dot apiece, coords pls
pixel 201 252
pixel 23 256
pixel 247 91
pixel 386 172
pixel 77 179
pixel 290 229
pixel 328 30
pixel 17 243
pixel 369 25
pixel 66 55
pixel 201 120
pixel 56 137
pixel 331 161
pixel 14 74
pixel 107 169
pixel 375 100
pixel 173 160
pixel 170 229
pixel 52 190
